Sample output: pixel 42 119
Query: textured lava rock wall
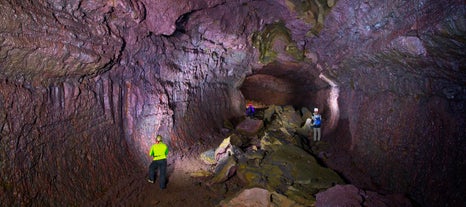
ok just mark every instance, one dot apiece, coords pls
pixel 62 144
pixel 42 40
pixel 400 70
pixel 61 124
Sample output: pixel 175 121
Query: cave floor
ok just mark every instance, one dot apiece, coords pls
pixel 185 189
pixel 182 189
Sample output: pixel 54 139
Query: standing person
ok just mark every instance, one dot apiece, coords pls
pixel 316 123
pixel 250 110
pixel 159 151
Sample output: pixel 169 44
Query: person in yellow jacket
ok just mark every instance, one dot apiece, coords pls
pixel 159 152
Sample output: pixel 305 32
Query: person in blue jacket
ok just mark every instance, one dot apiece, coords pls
pixel 250 110
pixel 316 124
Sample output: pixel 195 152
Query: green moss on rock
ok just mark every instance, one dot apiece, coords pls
pixel 266 39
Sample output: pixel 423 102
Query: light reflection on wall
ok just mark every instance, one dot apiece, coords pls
pixel 332 101
pixel 145 116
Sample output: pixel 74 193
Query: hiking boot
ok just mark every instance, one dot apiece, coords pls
pixel 150 181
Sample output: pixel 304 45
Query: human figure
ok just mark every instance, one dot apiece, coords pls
pixel 250 110
pixel 316 123
pixel 159 151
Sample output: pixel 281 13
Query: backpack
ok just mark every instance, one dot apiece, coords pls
pixel 317 121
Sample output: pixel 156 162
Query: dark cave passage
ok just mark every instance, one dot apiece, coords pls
pixel 282 84
pixel 86 86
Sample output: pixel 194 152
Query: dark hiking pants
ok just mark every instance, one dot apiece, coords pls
pixel 161 165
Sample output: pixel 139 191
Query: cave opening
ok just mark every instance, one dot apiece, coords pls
pixel 282 83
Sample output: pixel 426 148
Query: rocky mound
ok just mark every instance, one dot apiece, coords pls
pixel 277 165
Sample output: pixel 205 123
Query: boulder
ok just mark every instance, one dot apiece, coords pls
pixel 223 150
pixel 306 113
pixel 249 197
pixel 258 197
pixel 280 200
pixel 285 117
pixel 302 169
pixel 224 170
pixel 291 171
pixel 350 195
pixel 269 112
pixel 289 118
pixel 208 157
pixel 238 140
pixel 250 127
pixel 278 136
pixel 269 141
pixel 339 195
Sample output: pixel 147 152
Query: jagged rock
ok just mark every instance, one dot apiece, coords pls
pixel 280 200
pixel 225 168
pixel 258 197
pixel 255 142
pixel 279 135
pixel 208 157
pixel 269 112
pixel 289 118
pixel 249 197
pixel 349 195
pixel 238 140
pixel 303 131
pixel 250 126
pixel 269 143
pixel 306 113
pixel 253 155
pixel 288 134
pixel 223 150
pixel 303 168
pixel 290 170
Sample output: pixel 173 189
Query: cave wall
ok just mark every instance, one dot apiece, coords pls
pixel 94 110
pixel 401 101
pixel 52 139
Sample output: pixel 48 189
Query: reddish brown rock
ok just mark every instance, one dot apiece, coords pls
pixel 250 126
pixel 339 195
pixel 349 195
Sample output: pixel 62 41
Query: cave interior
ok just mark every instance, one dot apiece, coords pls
pixel 85 86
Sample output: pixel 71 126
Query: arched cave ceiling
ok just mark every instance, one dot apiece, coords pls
pixel 113 73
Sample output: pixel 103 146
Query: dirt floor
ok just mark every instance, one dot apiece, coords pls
pixel 185 187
